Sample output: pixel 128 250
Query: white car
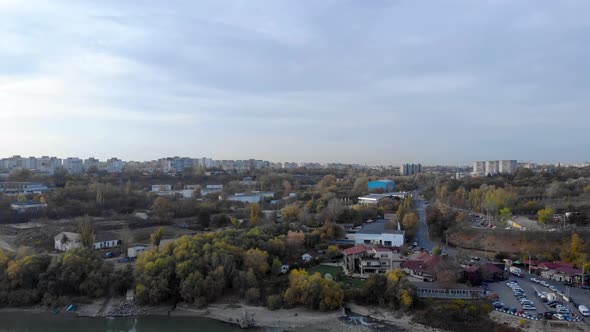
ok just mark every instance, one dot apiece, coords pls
pixel 534 280
pixel 558 316
pixel 544 283
pixel 553 288
pixel 528 307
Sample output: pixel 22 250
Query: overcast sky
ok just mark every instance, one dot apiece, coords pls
pixel 374 82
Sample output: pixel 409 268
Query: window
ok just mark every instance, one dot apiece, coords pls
pixel 367 241
pixel 388 243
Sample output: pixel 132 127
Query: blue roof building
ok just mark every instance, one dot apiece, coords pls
pixel 386 185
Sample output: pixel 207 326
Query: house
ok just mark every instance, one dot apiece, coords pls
pixel 29 206
pixel 254 197
pixel 385 185
pixel 368 260
pixel 491 272
pixel 421 268
pixel 105 240
pixel 380 233
pixel 473 275
pixel 309 256
pixel 560 271
pixel 439 290
pixel 66 241
pixel 211 189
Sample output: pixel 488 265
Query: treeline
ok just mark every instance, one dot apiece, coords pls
pixel 526 192
pixel 200 269
pixel 55 280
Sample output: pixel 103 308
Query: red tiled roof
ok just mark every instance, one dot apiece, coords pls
pixel 491 268
pixel 415 265
pixel 472 268
pixel 555 265
pixel 354 250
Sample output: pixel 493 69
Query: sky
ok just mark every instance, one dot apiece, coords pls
pixel 370 82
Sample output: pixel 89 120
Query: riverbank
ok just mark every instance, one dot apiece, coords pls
pixel 253 316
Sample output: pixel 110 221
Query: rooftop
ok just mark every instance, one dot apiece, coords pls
pixel 378 227
pixel 441 285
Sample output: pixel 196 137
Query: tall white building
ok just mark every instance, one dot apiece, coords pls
pixel 48 164
pixel 91 162
pixel 73 165
pixel 115 165
pixel 492 167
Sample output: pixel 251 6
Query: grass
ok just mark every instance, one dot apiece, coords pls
pixel 338 275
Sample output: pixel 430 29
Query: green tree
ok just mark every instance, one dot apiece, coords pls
pixel 505 214
pixel 156 237
pixel 545 215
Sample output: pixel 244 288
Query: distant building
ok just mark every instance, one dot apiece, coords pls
pixel 29 206
pixel 385 185
pixel 376 198
pixel 16 188
pixel 177 164
pixel 135 251
pixel 91 163
pixel 211 189
pixel 493 167
pixel 115 165
pixel 378 233
pixel 66 241
pixel 421 268
pixel 48 165
pixel 410 169
pixel 254 197
pixel 73 165
pixel 161 187
pixel 289 165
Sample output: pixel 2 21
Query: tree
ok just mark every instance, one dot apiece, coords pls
pixel 411 224
pixel 86 231
pixel 235 222
pixel 291 212
pixel 256 260
pixel 254 213
pixel 163 207
pixel 436 251
pixel 545 215
pixel 505 214
pixel 156 237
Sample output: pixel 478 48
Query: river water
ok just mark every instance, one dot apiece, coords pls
pixel 30 322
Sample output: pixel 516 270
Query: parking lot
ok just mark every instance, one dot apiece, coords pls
pixel 530 289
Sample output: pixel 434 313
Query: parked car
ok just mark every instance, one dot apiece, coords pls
pixel 544 283
pixel 553 288
pixel 497 305
pixel 558 316
pixel 563 311
pixel 583 310
pixel 549 314
pixel 534 280
pixel 528 307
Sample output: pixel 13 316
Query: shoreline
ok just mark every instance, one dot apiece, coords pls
pixel 257 317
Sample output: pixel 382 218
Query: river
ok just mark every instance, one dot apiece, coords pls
pixel 32 322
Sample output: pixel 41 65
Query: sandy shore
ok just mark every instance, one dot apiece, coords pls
pixel 262 317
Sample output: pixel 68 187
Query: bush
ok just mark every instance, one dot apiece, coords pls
pixel 274 302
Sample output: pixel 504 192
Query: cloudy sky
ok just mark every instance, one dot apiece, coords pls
pixel 374 82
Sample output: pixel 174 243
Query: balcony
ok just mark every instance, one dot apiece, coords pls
pixel 373 263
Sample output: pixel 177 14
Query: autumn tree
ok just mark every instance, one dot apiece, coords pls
pixel 254 213
pixel 257 260
pixel 505 214
pixel 86 231
pixel 411 222
pixel 156 237
pixel 291 212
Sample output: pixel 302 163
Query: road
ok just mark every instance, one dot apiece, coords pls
pixel 422 236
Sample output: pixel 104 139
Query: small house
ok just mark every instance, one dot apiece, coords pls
pixel 66 241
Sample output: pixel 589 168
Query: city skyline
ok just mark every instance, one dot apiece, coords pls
pixel 376 83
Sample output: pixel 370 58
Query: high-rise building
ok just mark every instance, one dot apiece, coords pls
pixel 493 167
pixel 115 165
pixel 410 169
pixel 479 167
pixel 91 162
pixel 73 165
pixel 48 164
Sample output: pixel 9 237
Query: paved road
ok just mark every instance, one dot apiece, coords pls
pixel 422 236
